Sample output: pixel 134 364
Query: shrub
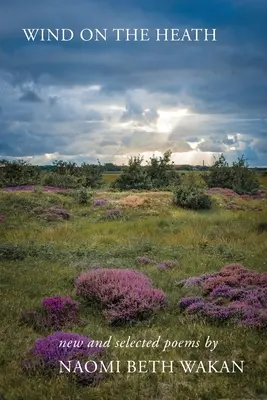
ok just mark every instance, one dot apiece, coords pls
pixel 91 175
pixel 54 313
pixel 125 295
pixel 237 177
pixel 60 180
pixel 133 176
pixel 159 173
pixel 18 172
pixel 83 195
pixel 45 354
pixel 162 172
pixel 262 227
pixel 10 251
pixel 192 197
pixel 111 215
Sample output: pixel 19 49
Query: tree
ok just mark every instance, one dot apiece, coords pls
pixel 158 173
pixel 237 177
pixel 91 175
pixel 133 176
pixel 162 171
pixel 18 172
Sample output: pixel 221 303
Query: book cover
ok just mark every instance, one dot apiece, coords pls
pixel 133 214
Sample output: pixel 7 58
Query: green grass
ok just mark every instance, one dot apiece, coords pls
pixel 110 177
pixel 54 253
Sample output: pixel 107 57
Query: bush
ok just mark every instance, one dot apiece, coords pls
pixel 112 215
pixel 192 197
pixel 237 177
pixel 91 175
pixel 60 180
pixel 19 172
pixel 159 173
pixel 125 295
pixel 88 175
pixel 10 251
pixel 262 227
pixel 83 195
pixel 133 176
pixel 162 172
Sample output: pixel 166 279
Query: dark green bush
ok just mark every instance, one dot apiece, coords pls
pixel 237 176
pixel 192 197
pixel 18 173
pixel 10 251
pixel 83 195
pixel 262 227
pixel 159 173
pixel 133 176
pixel 60 180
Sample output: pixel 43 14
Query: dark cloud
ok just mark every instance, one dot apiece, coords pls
pixel 209 145
pixel 192 139
pixel 30 97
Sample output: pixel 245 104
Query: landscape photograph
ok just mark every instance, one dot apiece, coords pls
pixel 133 200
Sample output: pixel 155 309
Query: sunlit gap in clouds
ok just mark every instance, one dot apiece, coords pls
pixel 169 118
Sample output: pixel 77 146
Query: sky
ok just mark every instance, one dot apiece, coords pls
pixel 109 100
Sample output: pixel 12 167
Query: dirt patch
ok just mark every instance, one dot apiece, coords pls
pixel 133 201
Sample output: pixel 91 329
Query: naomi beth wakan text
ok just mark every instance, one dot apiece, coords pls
pixel 152 366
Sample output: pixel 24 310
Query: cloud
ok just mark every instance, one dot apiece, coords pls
pixel 211 146
pixel 192 139
pixel 30 97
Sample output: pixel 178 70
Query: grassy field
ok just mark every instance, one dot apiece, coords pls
pixel 54 253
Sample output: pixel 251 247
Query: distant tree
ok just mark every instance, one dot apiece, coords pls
pixel 65 167
pixel 158 173
pixel 111 167
pixel 162 171
pixel 18 172
pixel 91 175
pixel 237 177
pixel 133 176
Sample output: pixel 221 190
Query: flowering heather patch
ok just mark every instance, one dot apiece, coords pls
pixel 235 275
pixel 2 218
pixel 100 203
pixel 45 354
pixel 260 194
pixel 125 294
pixel 197 280
pixel 188 301
pixel 223 191
pixel 55 312
pixel 144 260
pixel 234 293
